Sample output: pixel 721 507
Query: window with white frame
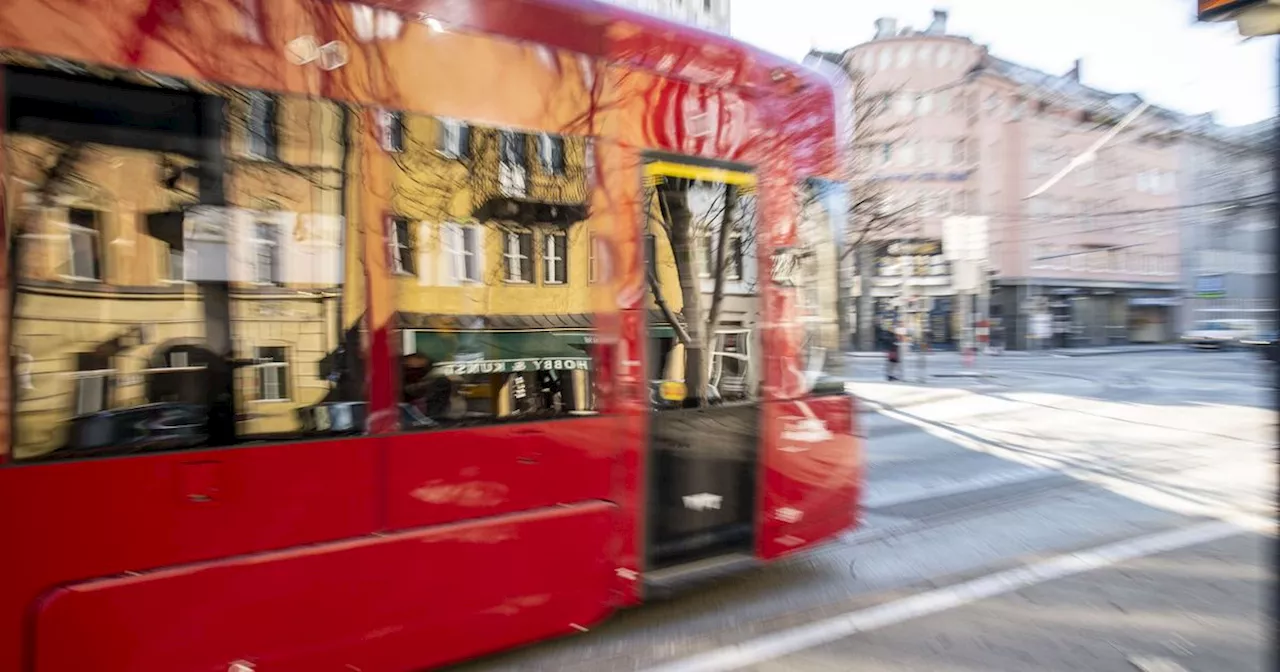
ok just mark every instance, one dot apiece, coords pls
pixel 176 264
pixel 904 57
pixel 400 247
pixel 907 153
pixel 944 56
pixel 886 58
pixel 554 255
pixel 517 256
pixel 903 103
pixel 551 153
pixel 261 126
pixel 83 260
pixel 93 379
pixel 958 152
pixel 593 259
pixel 925 54
pixel 266 254
pixel 926 153
pixel 511 148
pixel 463 253
pixel 271 371
pixel 453 138
pixel 391 130
pixel 924 106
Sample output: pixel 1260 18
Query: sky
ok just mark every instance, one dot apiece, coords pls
pixel 1154 48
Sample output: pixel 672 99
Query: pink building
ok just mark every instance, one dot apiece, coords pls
pixel 1099 250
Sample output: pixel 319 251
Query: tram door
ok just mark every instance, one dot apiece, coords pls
pixel 705 418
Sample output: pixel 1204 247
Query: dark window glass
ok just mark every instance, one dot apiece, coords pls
pixel 256 342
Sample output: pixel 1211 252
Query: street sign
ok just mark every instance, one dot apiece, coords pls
pixel 1035 304
pixel 965 238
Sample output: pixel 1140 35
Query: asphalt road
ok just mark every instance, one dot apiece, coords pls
pixel 980 492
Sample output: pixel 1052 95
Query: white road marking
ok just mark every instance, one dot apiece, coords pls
pixel 776 645
pixel 889 493
pixel 1156 664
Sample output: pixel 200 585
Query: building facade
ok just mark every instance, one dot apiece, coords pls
pixel 1095 257
pixel 1228 223
pixel 710 15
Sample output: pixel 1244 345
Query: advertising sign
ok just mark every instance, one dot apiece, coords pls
pixel 1211 287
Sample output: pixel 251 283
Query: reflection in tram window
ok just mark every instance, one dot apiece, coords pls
pixel 819 267
pixel 180 266
pixel 704 291
pixel 496 327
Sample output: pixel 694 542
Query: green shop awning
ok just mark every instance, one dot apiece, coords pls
pixel 478 352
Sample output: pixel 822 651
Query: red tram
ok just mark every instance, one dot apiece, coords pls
pixel 384 335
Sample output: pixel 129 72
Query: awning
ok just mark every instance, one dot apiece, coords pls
pixel 477 352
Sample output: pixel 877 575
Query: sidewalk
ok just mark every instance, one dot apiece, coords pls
pixel 1198 609
pixel 1062 352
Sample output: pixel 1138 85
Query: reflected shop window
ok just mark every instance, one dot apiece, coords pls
pixel 491 259
pixel 180 267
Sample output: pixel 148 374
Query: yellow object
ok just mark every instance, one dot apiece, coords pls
pixel 673 390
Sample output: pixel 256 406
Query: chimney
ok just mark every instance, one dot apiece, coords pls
pixel 1075 72
pixel 939 25
pixel 886 28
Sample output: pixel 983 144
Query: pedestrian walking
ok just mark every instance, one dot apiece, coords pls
pixel 888 344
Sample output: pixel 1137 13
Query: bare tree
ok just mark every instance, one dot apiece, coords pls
pixel 689 232
pixel 875 211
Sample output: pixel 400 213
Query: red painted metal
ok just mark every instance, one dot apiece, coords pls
pixel 441 477
pixel 400 602
pixel 403 551
pixel 812 474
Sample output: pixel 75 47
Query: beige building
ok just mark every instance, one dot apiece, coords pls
pixel 1099 251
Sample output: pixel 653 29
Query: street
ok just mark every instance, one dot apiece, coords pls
pixel 1065 512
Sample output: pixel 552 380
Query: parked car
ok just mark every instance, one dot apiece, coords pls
pixel 1216 335
pixel 1264 343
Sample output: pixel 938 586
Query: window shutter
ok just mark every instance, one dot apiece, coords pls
pixel 424 252
pixel 526 253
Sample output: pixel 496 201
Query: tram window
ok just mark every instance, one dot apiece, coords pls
pixel 708 215
pixel 201 234
pixel 506 335
pixel 814 277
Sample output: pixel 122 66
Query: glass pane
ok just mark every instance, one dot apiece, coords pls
pixel 690 322
pixel 134 362
pixel 506 334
